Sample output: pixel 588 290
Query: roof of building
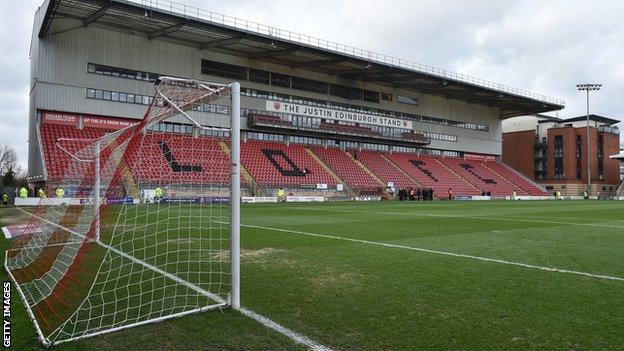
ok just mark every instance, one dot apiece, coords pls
pixel 595 118
pixel 165 20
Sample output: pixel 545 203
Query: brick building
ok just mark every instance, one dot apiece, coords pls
pixel 553 151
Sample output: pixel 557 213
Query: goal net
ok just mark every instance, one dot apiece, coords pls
pixel 146 229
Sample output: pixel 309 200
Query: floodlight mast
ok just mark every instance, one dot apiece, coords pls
pixel 587 88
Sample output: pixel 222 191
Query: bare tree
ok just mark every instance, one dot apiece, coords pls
pixel 9 160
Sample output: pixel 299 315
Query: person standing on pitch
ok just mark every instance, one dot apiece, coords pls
pixel 158 194
pixel 280 195
pixel 5 199
pixel 41 193
pixel 23 193
pixel 450 194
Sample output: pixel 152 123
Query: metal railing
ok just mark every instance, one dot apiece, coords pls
pixel 191 12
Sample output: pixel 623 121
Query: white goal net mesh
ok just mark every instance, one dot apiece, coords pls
pixel 157 243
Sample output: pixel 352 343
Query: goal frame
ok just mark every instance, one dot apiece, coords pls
pixel 233 300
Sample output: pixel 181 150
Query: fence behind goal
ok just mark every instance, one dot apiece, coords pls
pixel 146 230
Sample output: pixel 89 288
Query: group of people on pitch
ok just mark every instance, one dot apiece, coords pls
pixel 418 194
pixel 23 193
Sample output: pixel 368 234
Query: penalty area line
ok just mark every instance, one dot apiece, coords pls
pixel 444 253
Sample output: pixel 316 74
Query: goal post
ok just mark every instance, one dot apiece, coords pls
pixel 149 228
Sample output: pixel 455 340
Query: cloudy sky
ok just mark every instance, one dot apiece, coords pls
pixel 542 46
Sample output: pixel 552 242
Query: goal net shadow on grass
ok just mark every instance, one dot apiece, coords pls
pixel 143 233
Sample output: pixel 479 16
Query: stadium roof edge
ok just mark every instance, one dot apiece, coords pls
pixel 166 20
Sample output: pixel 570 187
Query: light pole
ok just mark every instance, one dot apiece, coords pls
pixel 587 88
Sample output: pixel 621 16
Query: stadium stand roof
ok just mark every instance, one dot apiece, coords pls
pixel 165 20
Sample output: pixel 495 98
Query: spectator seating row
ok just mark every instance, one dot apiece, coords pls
pixel 347 169
pixel 430 173
pixel 384 169
pixel 520 181
pixel 276 164
pixel 175 157
pixel 481 177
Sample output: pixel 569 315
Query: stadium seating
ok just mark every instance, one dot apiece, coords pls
pixel 383 169
pixel 518 180
pixel 430 173
pixel 346 168
pixel 56 160
pixel 272 164
pixel 172 157
pixel 276 164
pixel 162 157
pixel 482 177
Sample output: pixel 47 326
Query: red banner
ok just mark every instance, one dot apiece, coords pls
pixel 64 118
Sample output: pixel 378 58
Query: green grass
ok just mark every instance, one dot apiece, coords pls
pixel 357 296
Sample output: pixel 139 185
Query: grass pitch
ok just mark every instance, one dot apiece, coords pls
pixel 403 276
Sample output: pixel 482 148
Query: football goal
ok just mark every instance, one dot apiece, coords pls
pixel 145 226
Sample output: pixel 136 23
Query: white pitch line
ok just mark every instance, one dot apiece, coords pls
pixel 269 323
pixel 298 338
pixel 420 214
pixel 445 253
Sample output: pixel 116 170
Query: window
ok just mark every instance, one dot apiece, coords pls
pixel 258 76
pixel 558 166
pixel 310 85
pixel 386 97
pixel 121 72
pixel 407 100
pixel 280 80
pixel 370 96
pixel 345 92
pixel 225 70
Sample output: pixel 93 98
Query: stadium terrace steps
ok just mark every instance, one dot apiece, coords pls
pixel 384 169
pixel 401 171
pixel 521 183
pixel 366 169
pixel 244 172
pixel 481 177
pixel 521 180
pixel 432 174
pixel 326 166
